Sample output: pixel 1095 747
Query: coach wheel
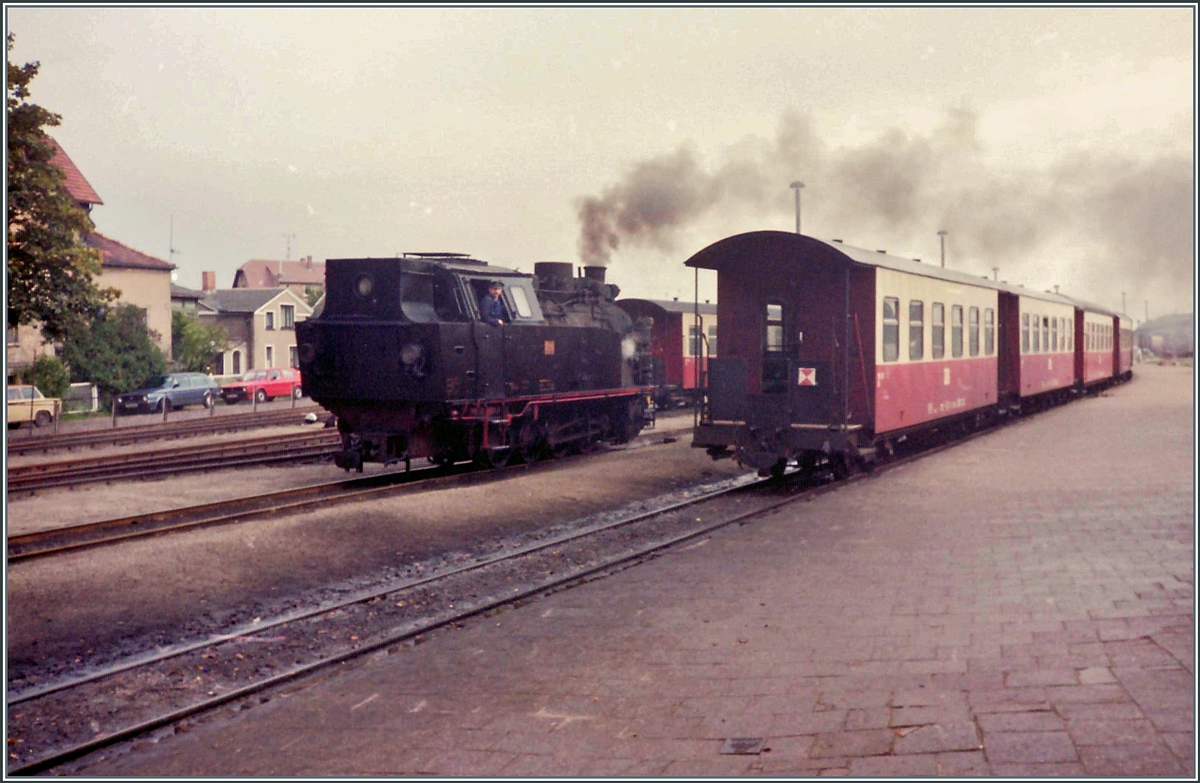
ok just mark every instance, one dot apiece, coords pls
pixel 260 395
pixel 42 418
pixel 840 466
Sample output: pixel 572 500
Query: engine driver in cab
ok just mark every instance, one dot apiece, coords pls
pixel 491 309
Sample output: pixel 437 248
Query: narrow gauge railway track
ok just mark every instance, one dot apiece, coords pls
pixel 57 541
pixel 160 688
pixel 139 433
pixel 180 459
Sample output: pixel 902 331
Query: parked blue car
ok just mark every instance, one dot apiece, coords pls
pixel 176 390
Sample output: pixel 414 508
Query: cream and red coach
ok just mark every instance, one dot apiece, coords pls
pixel 829 352
pixel 682 340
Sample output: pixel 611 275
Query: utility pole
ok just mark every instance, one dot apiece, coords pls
pixel 797 186
pixel 289 238
pixel 942 235
pixel 171 251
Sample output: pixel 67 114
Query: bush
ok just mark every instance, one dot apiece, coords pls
pixel 50 375
pixel 114 352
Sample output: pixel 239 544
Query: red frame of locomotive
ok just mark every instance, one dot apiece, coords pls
pixel 790 304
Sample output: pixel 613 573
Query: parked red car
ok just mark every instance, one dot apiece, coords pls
pixel 263 385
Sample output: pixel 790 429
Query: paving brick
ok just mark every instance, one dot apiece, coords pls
pixel 962 764
pixel 872 742
pixel 1093 731
pixel 895 766
pixel 1009 770
pixel 1019 721
pixel 938 738
pixel 1129 760
pixel 1038 747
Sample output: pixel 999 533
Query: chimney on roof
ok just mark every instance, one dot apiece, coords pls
pixel 208 281
pixel 308 261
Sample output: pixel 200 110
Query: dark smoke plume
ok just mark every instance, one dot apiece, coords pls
pixel 1132 215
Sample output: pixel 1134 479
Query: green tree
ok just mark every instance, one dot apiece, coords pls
pixel 48 374
pixel 313 294
pixel 195 345
pixel 114 352
pixel 50 269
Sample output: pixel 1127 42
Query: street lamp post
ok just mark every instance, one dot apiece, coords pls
pixel 942 234
pixel 797 186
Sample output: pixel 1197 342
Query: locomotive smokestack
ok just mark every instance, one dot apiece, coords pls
pixel 594 273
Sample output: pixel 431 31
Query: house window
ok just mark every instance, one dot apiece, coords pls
pixel 270 319
pixel 891 328
pixel 293 357
pixel 973 334
pixel 712 341
pixel 938 329
pixel 287 316
pixel 237 362
pixel 270 356
pixel 916 330
pixel 956 329
pixel 989 331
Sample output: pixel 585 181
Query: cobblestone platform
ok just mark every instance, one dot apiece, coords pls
pixel 1020 605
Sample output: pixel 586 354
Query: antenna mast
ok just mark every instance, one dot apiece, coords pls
pixel 171 251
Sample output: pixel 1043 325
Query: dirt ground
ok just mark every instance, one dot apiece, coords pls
pixel 68 605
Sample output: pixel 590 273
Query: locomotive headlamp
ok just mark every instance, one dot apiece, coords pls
pixel 410 353
pixel 364 285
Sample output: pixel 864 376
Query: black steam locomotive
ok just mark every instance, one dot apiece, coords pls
pixel 401 356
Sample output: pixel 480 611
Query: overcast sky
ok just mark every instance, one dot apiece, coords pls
pixel 1054 143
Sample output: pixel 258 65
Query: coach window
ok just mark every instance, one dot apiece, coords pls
pixel 694 333
pixel 989 331
pixel 891 328
pixel 1054 335
pixel 774 341
pixel 1024 332
pixel 1037 333
pixel 712 341
pixel 973 334
pixel 938 330
pixel 916 330
pixel 775 363
pixel 956 329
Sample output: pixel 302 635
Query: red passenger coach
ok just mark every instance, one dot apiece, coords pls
pixel 829 352
pixel 1094 328
pixel 827 349
pixel 682 340
pixel 1124 357
pixel 1047 344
